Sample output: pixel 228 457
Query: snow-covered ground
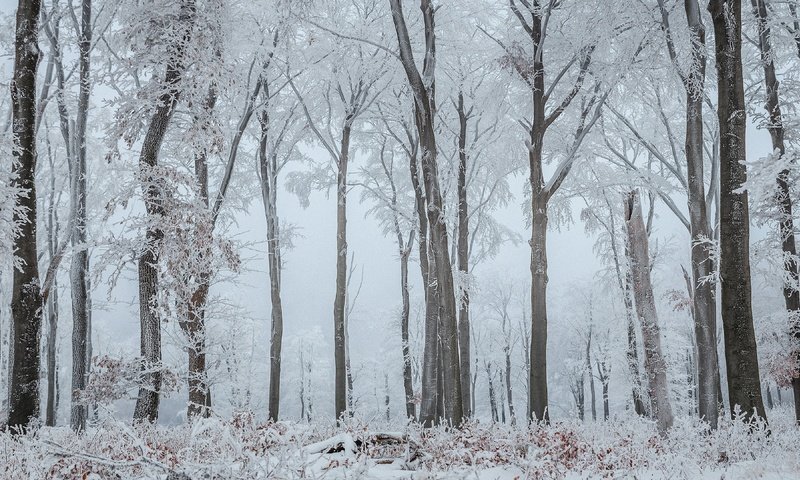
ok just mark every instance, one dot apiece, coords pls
pixel 241 448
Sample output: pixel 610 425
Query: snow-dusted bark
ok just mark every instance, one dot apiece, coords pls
pixel 80 259
pixel 26 300
pixel 654 362
pixel 462 250
pixel 741 359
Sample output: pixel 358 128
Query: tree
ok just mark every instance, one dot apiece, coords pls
pixel 703 310
pixel 26 301
pixel 639 259
pixel 80 260
pixel 423 87
pixel 148 398
pixel 744 382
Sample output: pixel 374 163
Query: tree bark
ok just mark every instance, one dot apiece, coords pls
pixel 51 408
pixel 463 254
pixel 150 323
pixel 588 367
pixel 741 359
pixel 26 300
pixel 80 258
pixel 427 415
pixel 654 362
pixel 791 294
pixel 340 343
pixel 537 395
pixel 268 167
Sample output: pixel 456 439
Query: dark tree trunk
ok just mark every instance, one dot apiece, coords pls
pixel 509 389
pixel 791 294
pixel 537 395
pixel 52 303
pixel 430 369
pixel 80 259
pixel 340 334
pixel 463 254
pixel 592 394
pixel 741 359
pixel 150 323
pixel 268 167
pixel 26 300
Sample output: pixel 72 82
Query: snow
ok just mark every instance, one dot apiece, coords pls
pixel 240 448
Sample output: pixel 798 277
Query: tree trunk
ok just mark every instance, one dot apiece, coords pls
pixel 791 294
pixel 492 395
pixel 654 362
pixel 537 395
pixel 741 359
pixel 425 103
pixel 408 385
pixel 340 347
pixel 463 255
pixel 26 300
pixel 703 301
pixel 430 368
pixel 80 258
pixel 509 388
pixel 150 324
pixel 268 168
pixel 591 375
pixel 52 302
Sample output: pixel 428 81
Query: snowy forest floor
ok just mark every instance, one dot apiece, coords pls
pixel 240 448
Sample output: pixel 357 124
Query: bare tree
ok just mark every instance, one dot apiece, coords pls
pixel 639 259
pixel 744 382
pixel 148 398
pixel 704 304
pixel 423 88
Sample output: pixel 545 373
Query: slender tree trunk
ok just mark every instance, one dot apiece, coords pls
pixel 52 302
pixel 791 294
pixel 463 254
pixel 26 300
pixel 591 375
pixel 492 395
pixel 148 399
pixel 430 369
pixel 386 397
pixel 268 168
pixel 703 301
pixel 80 259
pixel 744 382
pixel 340 347
pixel 603 373
pixel 509 388
pixel 408 384
pixel 654 362
pixel 537 397
pixel 425 104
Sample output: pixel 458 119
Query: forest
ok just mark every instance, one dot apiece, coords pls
pixel 490 239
